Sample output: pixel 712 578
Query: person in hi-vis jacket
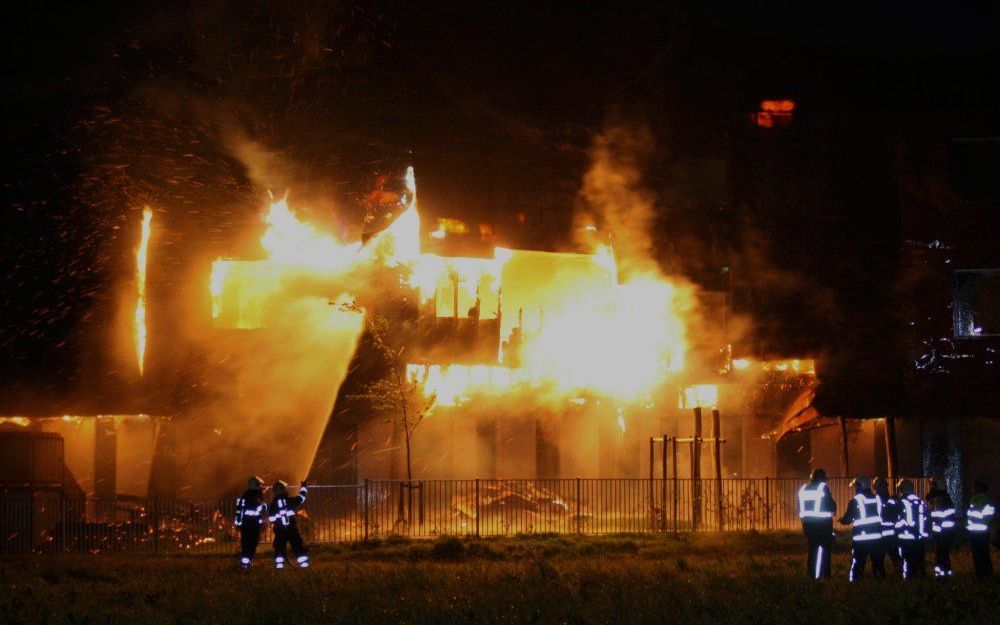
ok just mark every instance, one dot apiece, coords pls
pixel 816 510
pixel 286 530
pixel 251 513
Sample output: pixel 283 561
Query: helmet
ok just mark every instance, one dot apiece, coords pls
pixel 936 483
pixel 881 484
pixel 861 483
pixel 255 483
pixel 818 475
pixel 905 486
pixel 281 488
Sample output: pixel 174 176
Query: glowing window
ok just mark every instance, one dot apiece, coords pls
pixel 774 113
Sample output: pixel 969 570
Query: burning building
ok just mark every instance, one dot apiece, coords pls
pixel 851 221
pixel 426 349
pixel 520 362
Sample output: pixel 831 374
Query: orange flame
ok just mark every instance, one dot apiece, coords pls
pixel 580 327
pixel 141 257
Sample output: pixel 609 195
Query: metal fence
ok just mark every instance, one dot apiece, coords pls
pixel 376 509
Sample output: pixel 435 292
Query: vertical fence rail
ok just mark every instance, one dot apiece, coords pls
pixel 377 509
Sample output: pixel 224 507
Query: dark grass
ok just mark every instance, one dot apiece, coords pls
pixel 747 578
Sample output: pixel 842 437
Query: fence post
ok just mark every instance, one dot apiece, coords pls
pixel 65 517
pixel 767 502
pixel 663 509
pixel 156 526
pixel 579 519
pixel 365 495
pixel 676 487
pixel 477 507
pixel 652 488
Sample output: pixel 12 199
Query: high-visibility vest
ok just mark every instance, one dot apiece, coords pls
pixel 811 502
pixel 912 523
pixel 867 525
pixel 979 515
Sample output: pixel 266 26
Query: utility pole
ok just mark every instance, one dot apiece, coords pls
pixel 890 448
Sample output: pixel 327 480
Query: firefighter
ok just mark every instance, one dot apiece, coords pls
pixel 890 514
pixel 977 523
pixel 911 530
pixel 816 511
pixel 864 515
pixel 942 527
pixel 285 529
pixel 251 513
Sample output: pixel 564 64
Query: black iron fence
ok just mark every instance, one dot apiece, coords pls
pixel 47 521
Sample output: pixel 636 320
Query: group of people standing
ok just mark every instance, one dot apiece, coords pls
pixel 252 512
pixel 894 526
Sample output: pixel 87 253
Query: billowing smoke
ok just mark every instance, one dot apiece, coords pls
pixel 614 195
pixel 269 391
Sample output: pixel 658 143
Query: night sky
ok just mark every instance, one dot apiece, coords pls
pixel 115 106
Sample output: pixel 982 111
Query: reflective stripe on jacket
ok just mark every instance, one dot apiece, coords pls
pixel 979 514
pixel 249 513
pixel 942 520
pixel 284 508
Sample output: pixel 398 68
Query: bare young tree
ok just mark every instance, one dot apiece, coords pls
pixel 394 394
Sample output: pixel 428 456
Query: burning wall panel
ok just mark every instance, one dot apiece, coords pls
pixel 554 287
pixel 78 435
pixel 107 456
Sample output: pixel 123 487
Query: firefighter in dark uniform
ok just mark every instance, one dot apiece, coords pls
pixel 864 515
pixel 942 527
pixel 251 512
pixel 285 529
pixel 890 514
pixel 816 511
pixel 978 517
pixel 911 530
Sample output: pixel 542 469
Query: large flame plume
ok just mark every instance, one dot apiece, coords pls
pixel 579 328
pixel 141 258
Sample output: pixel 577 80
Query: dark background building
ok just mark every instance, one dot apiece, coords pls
pixel 836 226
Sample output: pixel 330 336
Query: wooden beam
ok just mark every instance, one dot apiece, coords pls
pixel 696 471
pixel 717 449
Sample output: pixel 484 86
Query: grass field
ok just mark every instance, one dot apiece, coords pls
pixel 548 579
